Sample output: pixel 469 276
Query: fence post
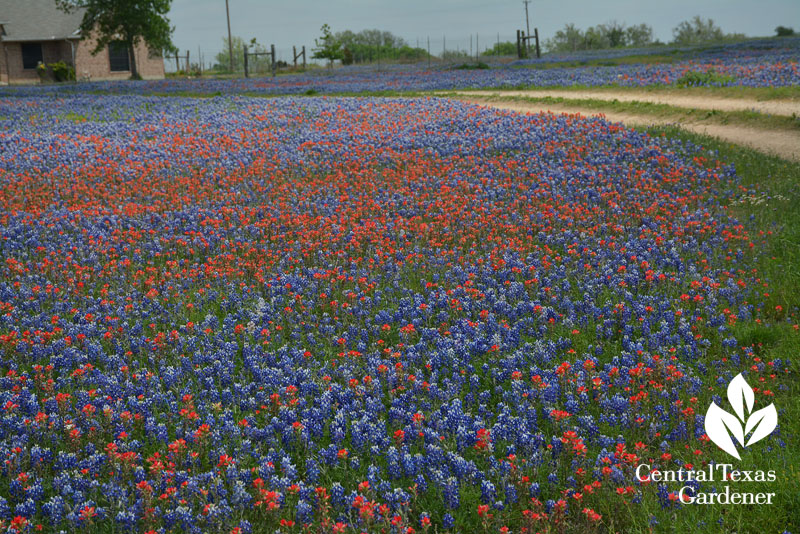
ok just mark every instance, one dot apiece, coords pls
pixel 519 47
pixel 177 63
pixel 272 53
pixel 294 55
pixel 536 36
pixel 187 62
pixel 245 60
pixel 304 57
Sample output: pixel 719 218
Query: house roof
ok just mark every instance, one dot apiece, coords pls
pixel 38 20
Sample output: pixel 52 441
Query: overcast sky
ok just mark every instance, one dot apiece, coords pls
pixel 201 23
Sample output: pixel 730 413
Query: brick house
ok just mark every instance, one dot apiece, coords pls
pixel 33 31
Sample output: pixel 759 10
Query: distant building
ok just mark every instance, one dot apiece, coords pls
pixel 33 31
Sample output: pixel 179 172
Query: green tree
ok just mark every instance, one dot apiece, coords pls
pixel 127 21
pixel 568 39
pixel 502 49
pixel 327 46
pixel 347 56
pixel 259 63
pixel 613 33
pixel 223 57
pixel 596 38
pixel 639 35
pixel 697 31
pixel 783 31
pixel 371 45
pixel 454 55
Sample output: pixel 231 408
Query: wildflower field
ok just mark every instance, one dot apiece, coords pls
pixel 241 315
pixel 769 63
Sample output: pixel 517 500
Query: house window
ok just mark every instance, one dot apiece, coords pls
pixel 118 56
pixel 31 55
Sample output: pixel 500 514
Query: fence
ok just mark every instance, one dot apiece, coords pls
pixel 443 49
pixel 524 43
pixel 178 59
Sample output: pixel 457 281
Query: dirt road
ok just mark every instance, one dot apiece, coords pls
pixel 783 143
pixel 772 107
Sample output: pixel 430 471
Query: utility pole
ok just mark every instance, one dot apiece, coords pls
pixel 527 25
pixel 230 41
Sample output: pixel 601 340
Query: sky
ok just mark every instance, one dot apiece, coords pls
pixel 200 25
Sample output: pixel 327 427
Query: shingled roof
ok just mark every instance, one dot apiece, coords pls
pixel 38 20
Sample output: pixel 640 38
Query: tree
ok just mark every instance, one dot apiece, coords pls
pixel 697 31
pixel 639 35
pixel 259 63
pixel 614 33
pixel 570 39
pixel 596 38
pixel 223 57
pixel 327 46
pixel 347 56
pixel 128 22
pixel 783 31
pixel 502 49
pixel 369 45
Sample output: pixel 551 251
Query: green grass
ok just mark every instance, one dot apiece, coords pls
pixel 75 117
pixel 774 209
pixel 752 93
pixel 777 216
pixel 700 79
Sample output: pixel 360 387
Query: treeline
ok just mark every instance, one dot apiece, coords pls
pixel 256 63
pixel 365 46
pixel 614 34
pixel 376 45
pixel 609 35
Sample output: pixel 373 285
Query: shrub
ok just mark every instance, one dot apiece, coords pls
pixel 473 66
pixel 41 70
pixel 347 56
pixel 62 72
pixel 449 55
pixel 502 49
pixel 697 78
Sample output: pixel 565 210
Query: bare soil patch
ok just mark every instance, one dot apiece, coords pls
pixel 783 143
pixel 772 107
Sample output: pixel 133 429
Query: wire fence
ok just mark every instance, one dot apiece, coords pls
pixel 442 49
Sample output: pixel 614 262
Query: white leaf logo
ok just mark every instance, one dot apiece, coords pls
pixel 739 394
pixel 720 425
pixel 763 421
